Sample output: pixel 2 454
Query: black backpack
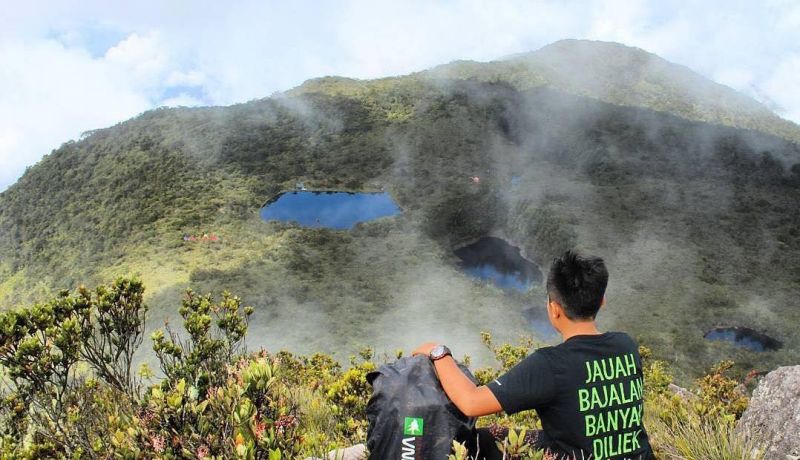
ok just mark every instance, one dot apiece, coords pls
pixel 410 416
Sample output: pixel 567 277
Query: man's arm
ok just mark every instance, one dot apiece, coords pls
pixel 471 400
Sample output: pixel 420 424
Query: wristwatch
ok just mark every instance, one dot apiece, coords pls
pixel 439 352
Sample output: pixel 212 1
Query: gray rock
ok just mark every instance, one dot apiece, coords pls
pixel 773 416
pixel 682 392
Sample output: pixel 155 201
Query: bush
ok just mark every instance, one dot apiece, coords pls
pixel 70 391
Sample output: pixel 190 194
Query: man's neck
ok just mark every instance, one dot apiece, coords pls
pixel 579 328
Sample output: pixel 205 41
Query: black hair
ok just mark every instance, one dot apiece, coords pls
pixel 578 284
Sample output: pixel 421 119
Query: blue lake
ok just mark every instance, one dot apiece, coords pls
pixel 494 260
pixel 337 210
pixel 744 337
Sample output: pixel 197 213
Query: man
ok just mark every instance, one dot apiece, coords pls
pixel 586 390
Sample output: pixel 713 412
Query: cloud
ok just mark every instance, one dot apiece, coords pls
pixel 94 38
pixel 53 94
pixel 56 92
pixel 72 67
pixel 190 78
pixel 424 34
pixel 141 58
pixel 182 100
pixel 724 42
pixel 784 86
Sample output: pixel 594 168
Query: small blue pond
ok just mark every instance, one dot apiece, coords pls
pixel 744 337
pixel 338 210
pixel 493 259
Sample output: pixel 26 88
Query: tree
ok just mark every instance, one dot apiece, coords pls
pixel 199 358
pixel 39 348
pixel 116 321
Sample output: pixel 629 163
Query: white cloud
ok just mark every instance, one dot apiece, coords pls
pixel 784 86
pixel 181 100
pixel 734 77
pixel 422 34
pixel 621 20
pixel 190 78
pixel 52 95
pixel 10 165
pixel 56 92
pixel 140 59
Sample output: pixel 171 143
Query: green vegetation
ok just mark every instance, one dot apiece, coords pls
pixel 605 71
pixel 697 222
pixel 627 76
pixel 69 393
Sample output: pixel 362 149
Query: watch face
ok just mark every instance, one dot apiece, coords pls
pixel 438 351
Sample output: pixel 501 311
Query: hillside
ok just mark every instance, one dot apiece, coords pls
pixel 606 71
pixel 622 75
pixel 697 221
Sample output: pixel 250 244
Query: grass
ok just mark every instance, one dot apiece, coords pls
pixel 703 440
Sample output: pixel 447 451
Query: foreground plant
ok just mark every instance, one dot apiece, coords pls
pixel 69 390
pixel 51 354
pixel 702 439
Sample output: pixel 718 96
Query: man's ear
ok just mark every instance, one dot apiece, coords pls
pixel 603 302
pixel 555 309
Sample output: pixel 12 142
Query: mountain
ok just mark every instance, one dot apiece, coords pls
pixel 622 75
pixel 698 221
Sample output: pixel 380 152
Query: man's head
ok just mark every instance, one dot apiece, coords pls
pixel 578 285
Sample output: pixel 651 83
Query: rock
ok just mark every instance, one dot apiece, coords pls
pixel 773 416
pixel 357 452
pixel 682 392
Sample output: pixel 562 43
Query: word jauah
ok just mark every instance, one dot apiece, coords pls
pixel 612 402
pixel 610 368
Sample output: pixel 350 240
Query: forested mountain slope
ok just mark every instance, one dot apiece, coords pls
pixel 623 75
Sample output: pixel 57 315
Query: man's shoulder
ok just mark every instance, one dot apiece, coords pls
pixel 541 356
pixel 624 338
pixel 614 339
pixel 548 355
pixel 605 336
pixel 619 335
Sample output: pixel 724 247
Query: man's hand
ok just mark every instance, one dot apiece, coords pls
pixel 424 349
pixel 471 400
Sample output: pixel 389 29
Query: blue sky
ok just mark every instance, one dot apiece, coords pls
pixel 72 66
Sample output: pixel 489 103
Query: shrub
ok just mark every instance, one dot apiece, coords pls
pixel 70 391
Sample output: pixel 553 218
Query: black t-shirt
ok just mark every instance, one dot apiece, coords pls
pixel 588 394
